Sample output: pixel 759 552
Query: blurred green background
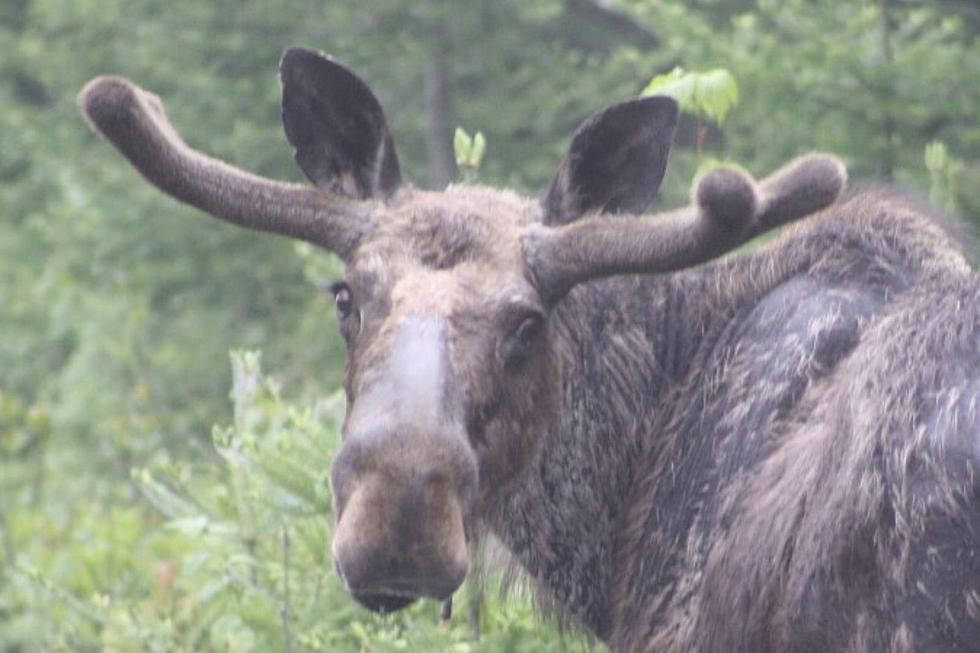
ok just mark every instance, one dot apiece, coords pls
pixel 128 522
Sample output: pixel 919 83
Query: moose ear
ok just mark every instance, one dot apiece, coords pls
pixel 337 127
pixel 615 162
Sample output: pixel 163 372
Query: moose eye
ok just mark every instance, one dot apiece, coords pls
pixel 529 329
pixel 521 341
pixel 343 299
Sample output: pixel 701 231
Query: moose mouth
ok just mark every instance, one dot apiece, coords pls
pixel 384 602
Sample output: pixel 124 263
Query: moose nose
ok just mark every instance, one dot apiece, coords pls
pixel 401 529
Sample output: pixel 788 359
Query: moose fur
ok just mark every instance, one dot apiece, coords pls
pixel 770 452
pixel 779 449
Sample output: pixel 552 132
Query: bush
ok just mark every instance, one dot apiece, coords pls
pixel 234 555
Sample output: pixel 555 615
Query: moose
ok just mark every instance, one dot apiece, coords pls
pixel 775 450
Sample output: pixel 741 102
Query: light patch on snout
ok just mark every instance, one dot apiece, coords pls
pixel 416 370
pixel 412 388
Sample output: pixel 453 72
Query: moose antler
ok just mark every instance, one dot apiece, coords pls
pixel 729 209
pixel 134 121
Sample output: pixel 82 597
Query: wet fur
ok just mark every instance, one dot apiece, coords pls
pixel 772 453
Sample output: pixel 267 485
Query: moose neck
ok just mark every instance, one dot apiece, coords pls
pixel 623 342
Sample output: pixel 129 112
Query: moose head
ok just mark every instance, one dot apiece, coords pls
pixel 454 367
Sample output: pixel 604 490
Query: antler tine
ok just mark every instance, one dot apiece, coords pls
pixel 134 121
pixel 801 187
pixel 728 210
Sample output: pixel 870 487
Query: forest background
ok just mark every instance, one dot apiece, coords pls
pixel 128 520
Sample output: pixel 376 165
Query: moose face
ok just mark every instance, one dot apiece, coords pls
pixel 449 380
pixel 454 361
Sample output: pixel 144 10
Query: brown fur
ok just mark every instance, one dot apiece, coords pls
pixel 814 542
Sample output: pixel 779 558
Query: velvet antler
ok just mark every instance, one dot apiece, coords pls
pixel 134 121
pixel 728 210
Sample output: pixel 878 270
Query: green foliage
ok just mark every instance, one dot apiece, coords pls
pixel 469 151
pixel 711 94
pixel 240 561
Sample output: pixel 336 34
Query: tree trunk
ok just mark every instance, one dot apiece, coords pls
pixel 442 160
pixel 888 126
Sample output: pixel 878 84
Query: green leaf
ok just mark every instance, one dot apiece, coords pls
pixel 479 147
pixel 462 146
pixel 162 497
pixel 676 84
pixel 711 94
pixel 717 93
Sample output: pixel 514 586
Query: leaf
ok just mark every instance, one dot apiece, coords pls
pixel 710 94
pixel 162 497
pixel 293 477
pixel 717 93
pixel 479 147
pixel 462 146
pixel 676 84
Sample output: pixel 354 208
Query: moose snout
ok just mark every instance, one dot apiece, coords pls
pixel 402 517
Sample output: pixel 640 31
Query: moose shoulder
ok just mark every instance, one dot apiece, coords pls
pixel 772 452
